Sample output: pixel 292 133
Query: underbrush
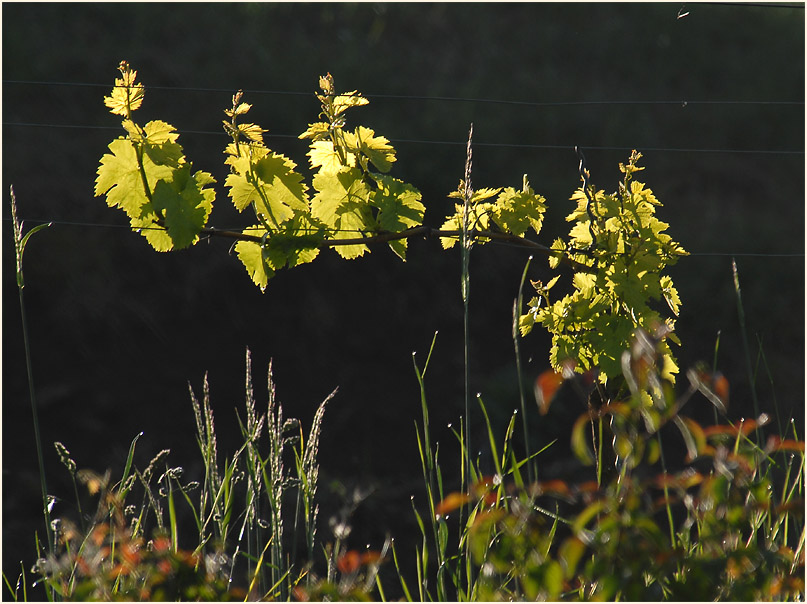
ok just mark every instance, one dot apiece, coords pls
pixel 727 524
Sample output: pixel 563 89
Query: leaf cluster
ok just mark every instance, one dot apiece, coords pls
pixel 350 201
pixel 503 210
pixel 147 176
pixel 626 251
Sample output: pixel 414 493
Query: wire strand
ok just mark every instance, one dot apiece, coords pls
pixel 456 143
pixel 417 97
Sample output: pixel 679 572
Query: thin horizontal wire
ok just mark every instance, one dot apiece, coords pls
pixel 416 97
pixel 752 4
pixel 456 143
pixel 332 230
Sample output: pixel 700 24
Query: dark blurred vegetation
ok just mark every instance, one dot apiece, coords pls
pixel 117 329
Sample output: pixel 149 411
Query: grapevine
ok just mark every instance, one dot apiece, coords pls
pixel 617 248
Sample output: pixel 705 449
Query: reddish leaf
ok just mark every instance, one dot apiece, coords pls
pixel 453 501
pixel 553 487
pixel 777 444
pixel 546 385
pixel 161 544
pixel 349 562
pixel 370 557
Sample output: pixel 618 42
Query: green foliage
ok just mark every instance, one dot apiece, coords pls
pixel 351 199
pixel 513 212
pixel 716 529
pixel 147 176
pixel 618 237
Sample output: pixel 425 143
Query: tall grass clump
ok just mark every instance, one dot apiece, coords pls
pixel 130 546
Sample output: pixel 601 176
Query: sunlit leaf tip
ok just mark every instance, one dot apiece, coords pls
pixel 127 95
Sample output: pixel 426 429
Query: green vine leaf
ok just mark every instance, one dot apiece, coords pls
pixel 342 205
pixel 478 217
pixel 323 156
pixel 120 179
pixel 316 131
pixel 516 212
pixel 620 238
pixel 185 204
pixel 399 208
pixel 513 212
pixel 343 102
pixel 255 259
pixel 374 148
pixel 146 175
pixel 297 242
pixel 266 179
pixel 127 95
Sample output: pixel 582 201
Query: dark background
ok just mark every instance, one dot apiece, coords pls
pixel 117 330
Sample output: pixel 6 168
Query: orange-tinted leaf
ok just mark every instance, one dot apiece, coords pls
pixel 483 484
pixel 777 444
pixel 546 385
pixel 99 533
pixel 161 544
pixel 719 429
pixel 554 487
pixel 370 557
pixel 720 385
pixel 131 553
pixel 349 562
pixel 590 486
pixel 746 426
pixel 453 501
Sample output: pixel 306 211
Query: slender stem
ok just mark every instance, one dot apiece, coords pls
pixel 37 437
pixel 517 305
pixel 746 348
pixel 466 242
pixel 19 245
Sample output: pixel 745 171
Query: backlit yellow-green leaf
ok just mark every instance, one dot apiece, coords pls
pixel 127 95
pixel 399 208
pixel 517 211
pixel 344 101
pixel 271 183
pixel 185 204
pixel 255 261
pixel 342 204
pixel 323 156
pixel 375 148
pixel 316 131
pixel 119 177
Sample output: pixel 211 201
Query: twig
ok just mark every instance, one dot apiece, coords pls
pixel 420 231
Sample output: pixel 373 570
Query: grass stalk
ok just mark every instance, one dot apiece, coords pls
pixel 746 347
pixel 432 477
pixel 467 243
pixel 517 306
pixel 20 241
